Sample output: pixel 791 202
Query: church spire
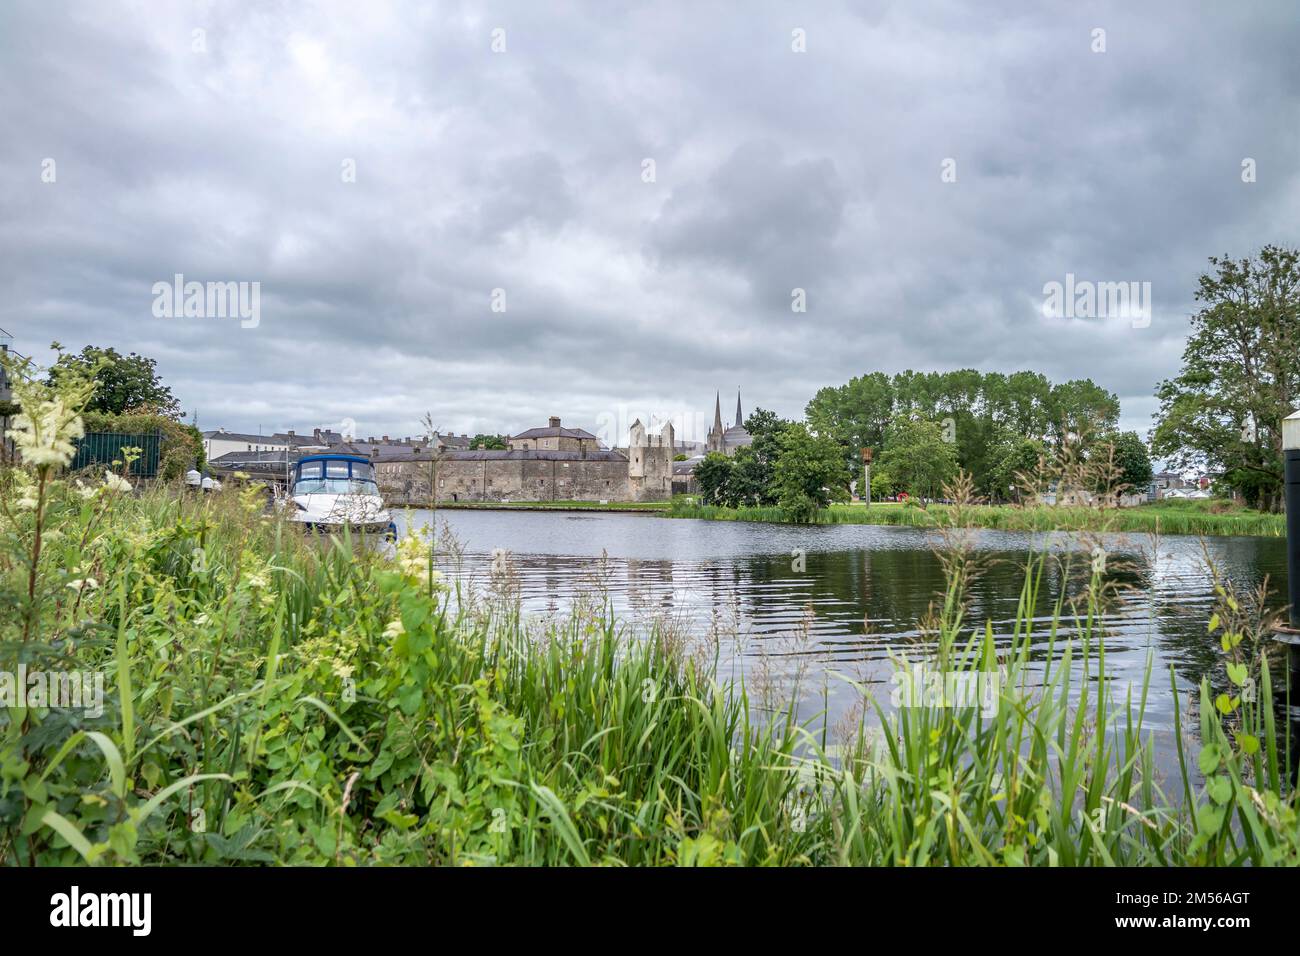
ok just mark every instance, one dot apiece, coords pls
pixel 717 413
pixel 740 419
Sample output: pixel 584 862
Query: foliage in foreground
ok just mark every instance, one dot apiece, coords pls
pixel 272 700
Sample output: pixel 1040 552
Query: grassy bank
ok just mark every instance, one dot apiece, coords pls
pixel 271 699
pixel 1172 517
pixel 648 507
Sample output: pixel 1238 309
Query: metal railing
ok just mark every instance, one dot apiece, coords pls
pixel 105 448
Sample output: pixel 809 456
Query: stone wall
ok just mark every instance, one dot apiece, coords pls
pixel 512 479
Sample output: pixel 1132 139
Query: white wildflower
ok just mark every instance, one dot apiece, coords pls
pixel 83 584
pixel 394 630
pixel 115 482
pixel 45 434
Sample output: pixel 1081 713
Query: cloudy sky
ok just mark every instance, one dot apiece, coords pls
pixel 382 168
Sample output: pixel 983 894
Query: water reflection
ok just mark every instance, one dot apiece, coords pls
pixel 859 592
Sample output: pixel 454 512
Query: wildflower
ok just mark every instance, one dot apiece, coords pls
pixel 414 556
pixel 82 584
pixel 85 491
pixel 257 580
pixel 394 630
pixel 27 492
pixel 115 482
pixel 342 670
pixel 44 432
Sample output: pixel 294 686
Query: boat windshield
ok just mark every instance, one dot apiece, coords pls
pixel 341 477
pixel 335 486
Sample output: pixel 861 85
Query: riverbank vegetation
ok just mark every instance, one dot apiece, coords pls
pixel 1163 517
pixel 273 699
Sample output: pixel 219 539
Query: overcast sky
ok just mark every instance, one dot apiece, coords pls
pixel 225 155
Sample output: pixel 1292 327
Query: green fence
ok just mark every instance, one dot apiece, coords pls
pixel 104 448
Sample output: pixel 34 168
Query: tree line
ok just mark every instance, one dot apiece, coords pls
pixel 924 427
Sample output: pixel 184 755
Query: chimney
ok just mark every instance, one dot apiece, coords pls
pixel 290 433
pixel 555 422
pixel 385 438
pixel 315 434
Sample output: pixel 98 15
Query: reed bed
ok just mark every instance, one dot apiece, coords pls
pixel 272 699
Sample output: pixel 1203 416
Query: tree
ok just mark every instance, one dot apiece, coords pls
pixel 917 457
pixel 1080 410
pixel 1132 461
pixel 1241 369
pixel 754 473
pixel 1014 470
pixel 122 383
pixel 713 475
pixel 809 473
pixel 488 442
pixel 984 413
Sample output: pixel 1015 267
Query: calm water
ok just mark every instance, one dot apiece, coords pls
pixel 861 593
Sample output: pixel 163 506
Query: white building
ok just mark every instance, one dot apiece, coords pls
pixel 221 442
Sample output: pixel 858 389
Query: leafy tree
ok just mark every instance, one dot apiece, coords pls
pixel 1016 462
pixel 750 482
pixel 810 472
pixel 1082 410
pixel 1132 461
pixel 488 442
pixel 917 456
pixel 1240 376
pixel 122 383
pixel 985 413
pixel 713 475
pixel 755 465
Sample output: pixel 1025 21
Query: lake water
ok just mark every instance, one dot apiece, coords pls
pixel 860 592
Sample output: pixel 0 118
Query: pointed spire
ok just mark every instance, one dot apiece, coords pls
pixel 717 413
pixel 740 419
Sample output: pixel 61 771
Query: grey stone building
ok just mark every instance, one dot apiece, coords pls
pixel 551 463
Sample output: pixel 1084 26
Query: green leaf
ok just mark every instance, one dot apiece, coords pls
pixel 1214 623
pixel 1208 759
pixel 1248 743
pixel 554 808
pixel 116 768
pixel 68 830
pixel 1238 673
pixel 1219 788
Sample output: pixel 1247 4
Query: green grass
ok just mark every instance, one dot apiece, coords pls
pixel 1173 517
pixel 277 700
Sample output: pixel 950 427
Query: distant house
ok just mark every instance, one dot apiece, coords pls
pixel 554 437
pixel 220 442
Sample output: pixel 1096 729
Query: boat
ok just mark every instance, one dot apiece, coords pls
pixel 331 492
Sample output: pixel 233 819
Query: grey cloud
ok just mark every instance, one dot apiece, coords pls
pixel 522 171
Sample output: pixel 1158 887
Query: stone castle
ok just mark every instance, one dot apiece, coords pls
pixel 552 463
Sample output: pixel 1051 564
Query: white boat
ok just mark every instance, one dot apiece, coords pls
pixel 330 492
